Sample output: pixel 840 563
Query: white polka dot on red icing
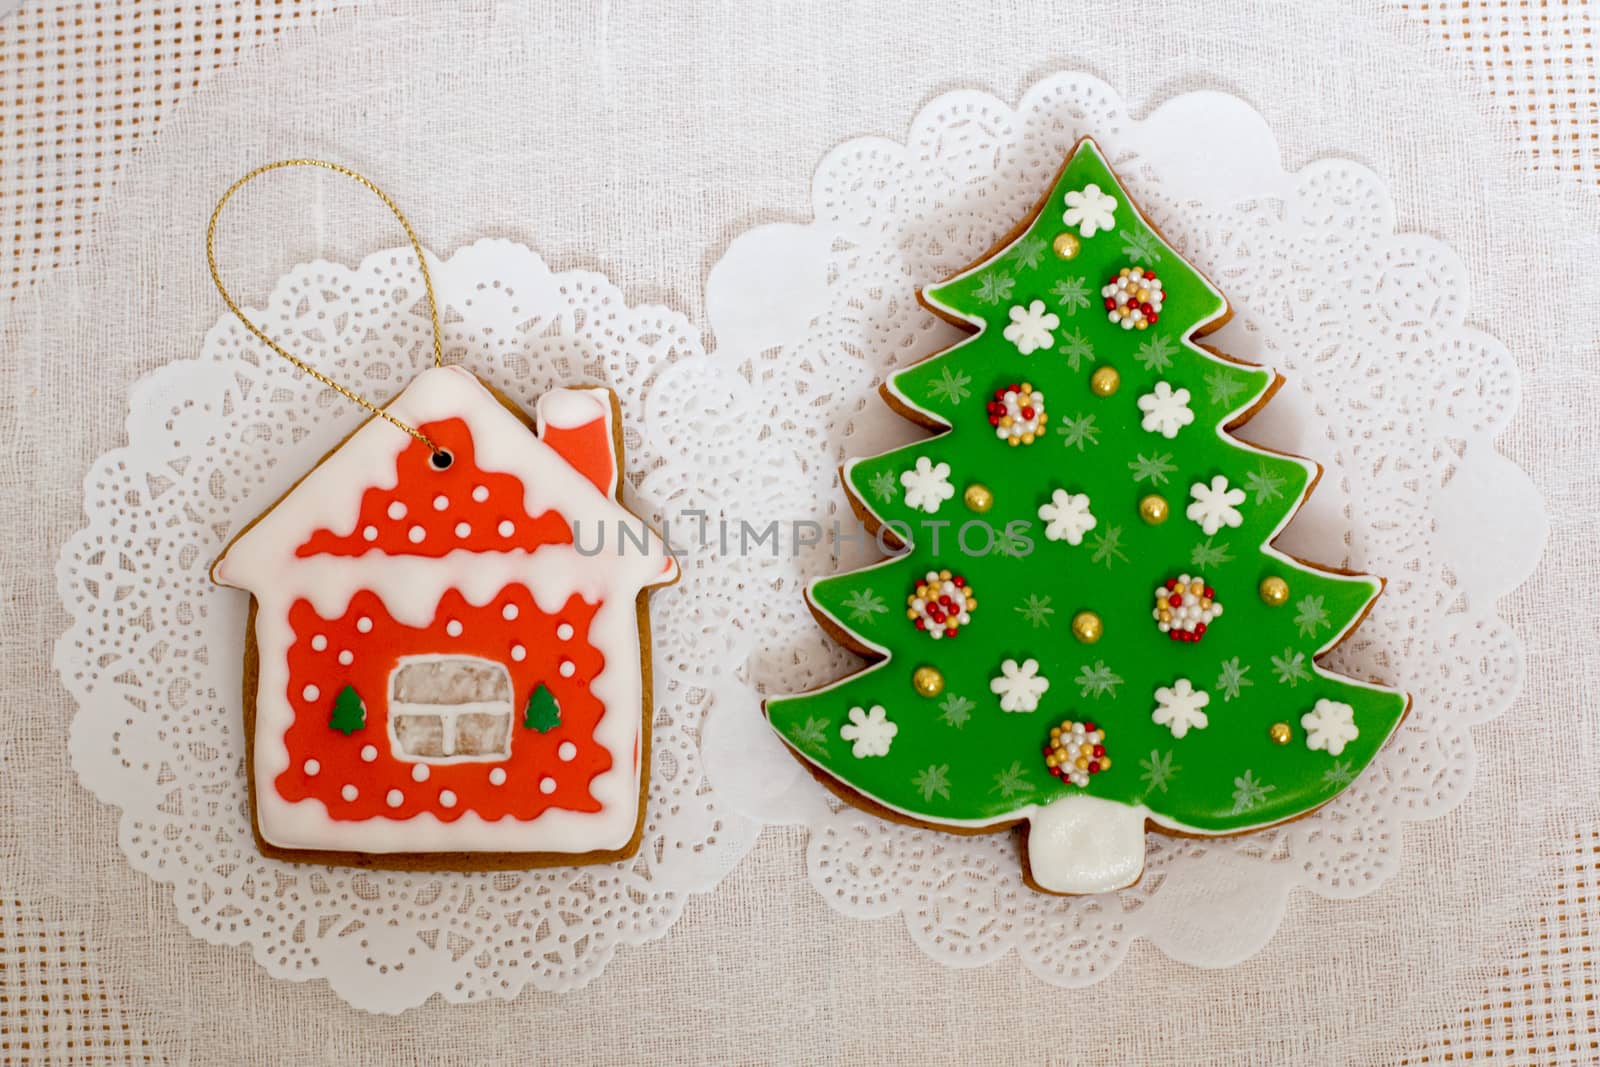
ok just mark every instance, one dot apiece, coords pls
pixel 364 624
pixel 441 502
pixel 349 792
pixel 564 631
pixel 547 786
pixel 505 528
pixel 453 627
pixel 369 533
pixel 369 753
pixel 447 799
pixel 311 692
pixel 397 510
pixel 519 653
pixel 312 767
pixel 319 642
pixel 463 530
pixel 567 668
pixel 347 657
pixel 508 612
pixel 416 534
pixel 497 776
pixel 480 493
pixel 395 798
pixel 568 751
pixel 419 773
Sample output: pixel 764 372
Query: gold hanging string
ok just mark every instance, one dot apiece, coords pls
pixel 422 264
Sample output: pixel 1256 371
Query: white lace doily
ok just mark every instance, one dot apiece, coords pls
pixel 154 649
pixel 1388 387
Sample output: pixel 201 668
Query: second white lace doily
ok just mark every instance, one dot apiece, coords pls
pixel 1388 388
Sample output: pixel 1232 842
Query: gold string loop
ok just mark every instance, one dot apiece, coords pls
pixel 422 264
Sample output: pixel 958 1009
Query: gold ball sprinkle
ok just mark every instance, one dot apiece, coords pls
pixel 1274 591
pixel 1280 733
pixel 927 681
pixel 1086 627
pixel 1104 381
pixel 978 498
pixel 1153 509
pixel 1066 246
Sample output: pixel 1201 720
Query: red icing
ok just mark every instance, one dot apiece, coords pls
pixel 418 490
pixel 589 448
pixel 485 633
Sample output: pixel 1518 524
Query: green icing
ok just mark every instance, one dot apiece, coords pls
pixel 543 713
pixel 958 757
pixel 349 711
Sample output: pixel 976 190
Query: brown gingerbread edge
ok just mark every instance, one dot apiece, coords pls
pixel 454 861
pixel 865 515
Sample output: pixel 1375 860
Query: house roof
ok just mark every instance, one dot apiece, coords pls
pixel 377 495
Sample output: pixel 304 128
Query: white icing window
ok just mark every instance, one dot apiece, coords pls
pixel 447 709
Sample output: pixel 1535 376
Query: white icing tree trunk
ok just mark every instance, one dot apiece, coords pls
pixel 1082 844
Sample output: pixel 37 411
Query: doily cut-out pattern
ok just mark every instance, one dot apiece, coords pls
pixel 1388 388
pixel 154 651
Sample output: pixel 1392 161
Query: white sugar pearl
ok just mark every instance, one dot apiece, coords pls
pixel 547 786
pixel 397 510
pixel 463 529
pixel 567 752
pixel 505 528
pixel 453 627
pixel 416 534
pixel 370 533
pixel 319 642
pixel 312 767
pixel 310 692
pixel 349 792
pixel 395 798
pixel 441 502
pixel 447 799
pixel 364 624
pixel 369 753
pixel 419 773
pixel 480 493
pixel 347 657
pixel 564 631
pixel 508 612
pixel 497 776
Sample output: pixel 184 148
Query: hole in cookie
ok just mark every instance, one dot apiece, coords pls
pixel 441 460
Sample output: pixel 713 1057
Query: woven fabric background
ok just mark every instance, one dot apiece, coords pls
pixel 95 968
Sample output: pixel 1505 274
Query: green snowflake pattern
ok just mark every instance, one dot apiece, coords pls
pixel 1076 348
pixel 995 287
pixel 1036 610
pixel 1079 431
pixel 1155 468
pixel 1210 554
pixel 1340 774
pixel 1312 616
pixel 1141 246
pixel 951 388
pixel 1156 353
pixel 1158 770
pixel 813 736
pixel 1097 681
pixel 1028 253
pixel 1011 781
pixel 1013 543
pixel 1266 485
pixel 1222 386
pixel 935 779
pixel 1232 679
pixel 863 604
pixel 955 710
pixel 1248 793
pixel 1072 294
pixel 883 486
pixel 1108 547
pixel 1291 668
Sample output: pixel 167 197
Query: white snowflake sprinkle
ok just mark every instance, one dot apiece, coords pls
pixel 1166 410
pixel 1090 210
pixel 869 732
pixel 1019 686
pixel 1178 707
pixel 1330 726
pixel 1031 327
pixel 927 485
pixel 1215 505
pixel 1066 517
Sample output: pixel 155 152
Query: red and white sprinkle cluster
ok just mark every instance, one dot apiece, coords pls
pixel 1076 751
pixel 941 604
pixel 1133 297
pixel 1185 606
pixel 1017 413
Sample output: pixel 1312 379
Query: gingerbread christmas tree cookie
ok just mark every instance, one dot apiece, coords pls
pixel 1090 631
